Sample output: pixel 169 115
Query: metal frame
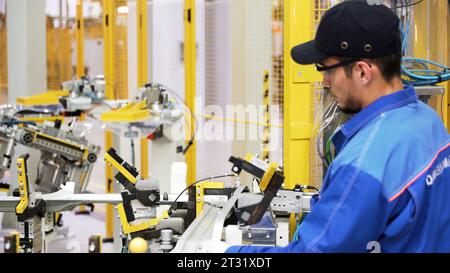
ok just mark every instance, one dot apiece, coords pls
pixel 79 33
pixel 431 21
pixel 298 19
pixel 190 84
pixel 64 199
pixel 297 93
pixel 109 71
pixel 207 226
pixel 142 70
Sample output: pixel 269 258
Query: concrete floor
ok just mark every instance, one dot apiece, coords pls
pixel 80 228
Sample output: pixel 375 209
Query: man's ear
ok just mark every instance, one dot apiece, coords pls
pixel 364 71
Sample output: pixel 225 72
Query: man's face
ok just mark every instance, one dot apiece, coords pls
pixel 341 86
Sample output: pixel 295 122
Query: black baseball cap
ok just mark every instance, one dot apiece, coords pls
pixel 352 29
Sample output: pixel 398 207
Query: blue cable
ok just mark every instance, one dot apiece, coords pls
pixel 419 77
pixel 296 237
pixel 424 76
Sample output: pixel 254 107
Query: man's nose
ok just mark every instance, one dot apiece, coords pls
pixel 326 82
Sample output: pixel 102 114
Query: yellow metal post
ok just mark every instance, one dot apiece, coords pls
pixel 142 18
pixel 142 72
pixel 109 40
pixel 190 83
pixel 438 28
pixel 430 25
pixel 109 62
pixel 266 102
pixel 109 217
pixel 79 33
pixel 297 95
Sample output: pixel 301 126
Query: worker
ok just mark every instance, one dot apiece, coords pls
pixel 388 186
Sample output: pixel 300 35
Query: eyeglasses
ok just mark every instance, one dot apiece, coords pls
pixel 322 68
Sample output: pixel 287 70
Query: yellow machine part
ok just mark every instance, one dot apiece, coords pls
pixel 120 168
pixel 23 185
pixel 127 228
pixel 4 187
pixel 200 193
pixel 129 113
pixel 58 140
pixel 138 245
pixel 16 236
pixel 48 98
pixel 268 176
pixel 41 119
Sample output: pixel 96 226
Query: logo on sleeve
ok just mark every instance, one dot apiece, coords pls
pixel 444 164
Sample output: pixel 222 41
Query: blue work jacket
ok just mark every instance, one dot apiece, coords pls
pixel 388 188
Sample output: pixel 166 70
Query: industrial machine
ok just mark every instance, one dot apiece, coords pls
pixel 65 155
pixel 76 97
pixel 208 210
pixel 138 211
pixel 156 114
pixel 261 218
pixel 37 212
pixel 84 93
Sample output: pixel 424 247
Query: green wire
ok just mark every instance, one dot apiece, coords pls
pixel 327 151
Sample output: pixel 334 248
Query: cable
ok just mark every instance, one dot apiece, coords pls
pixel 325 123
pixel 409 5
pixel 412 75
pixel 196 182
pixel 191 141
pixel 132 152
pixel 427 76
pixel 296 237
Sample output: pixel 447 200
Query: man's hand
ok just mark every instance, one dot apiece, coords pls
pixel 212 246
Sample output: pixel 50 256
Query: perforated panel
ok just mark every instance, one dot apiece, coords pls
pixel 238 50
pixel 60 38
